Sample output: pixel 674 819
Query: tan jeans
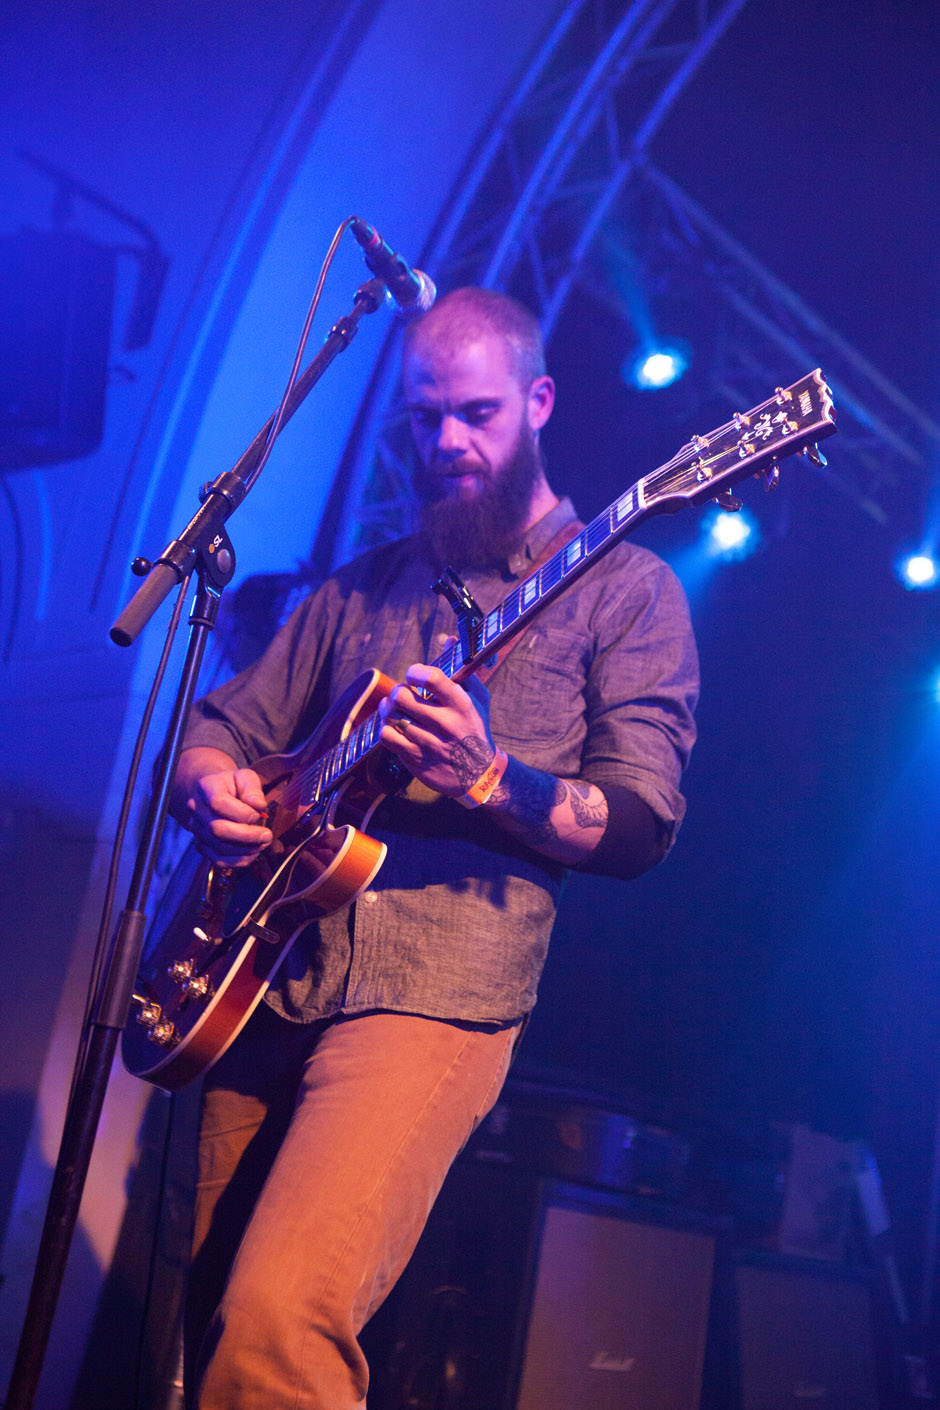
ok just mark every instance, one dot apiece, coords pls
pixel 331 1145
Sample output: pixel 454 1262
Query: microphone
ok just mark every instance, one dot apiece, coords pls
pixel 412 290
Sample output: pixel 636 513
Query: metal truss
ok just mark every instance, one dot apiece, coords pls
pixel 521 217
pixel 564 167
pixel 761 328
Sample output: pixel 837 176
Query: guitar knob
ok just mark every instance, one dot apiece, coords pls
pixel 163 1033
pixel 159 1029
pixel 181 971
pixel 198 987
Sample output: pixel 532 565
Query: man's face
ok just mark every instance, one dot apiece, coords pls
pixel 475 433
pixel 467 413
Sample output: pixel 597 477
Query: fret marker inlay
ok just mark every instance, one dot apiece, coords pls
pixel 624 506
pixel 573 552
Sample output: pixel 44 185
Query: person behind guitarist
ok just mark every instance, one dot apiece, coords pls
pixel 330 1123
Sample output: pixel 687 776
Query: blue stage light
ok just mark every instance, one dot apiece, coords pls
pixel 919 570
pixel 655 367
pixel 730 535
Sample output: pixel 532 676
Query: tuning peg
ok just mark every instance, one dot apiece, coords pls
pixel 771 476
pixel 814 455
pixel 726 500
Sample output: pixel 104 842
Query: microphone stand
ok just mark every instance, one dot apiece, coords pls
pixel 204 545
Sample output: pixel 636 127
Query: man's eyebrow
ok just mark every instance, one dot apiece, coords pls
pixel 476 404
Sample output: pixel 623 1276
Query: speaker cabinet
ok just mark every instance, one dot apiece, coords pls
pixel 805 1335
pixel 618 1314
pixel 56 298
pixel 529 1294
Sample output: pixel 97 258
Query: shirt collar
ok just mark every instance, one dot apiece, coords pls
pixel 539 536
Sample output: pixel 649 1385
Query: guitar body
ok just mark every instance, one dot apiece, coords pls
pixel 220 933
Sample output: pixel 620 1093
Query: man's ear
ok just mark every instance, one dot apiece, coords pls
pixel 540 403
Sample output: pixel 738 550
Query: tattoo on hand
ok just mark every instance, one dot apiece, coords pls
pixel 469 758
pixel 586 814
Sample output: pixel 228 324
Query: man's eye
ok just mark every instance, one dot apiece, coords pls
pixel 479 415
pixel 427 420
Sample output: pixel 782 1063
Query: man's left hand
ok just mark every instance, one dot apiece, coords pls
pixel 439 730
pixel 441 733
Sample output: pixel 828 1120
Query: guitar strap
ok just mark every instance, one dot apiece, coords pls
pixel 566 532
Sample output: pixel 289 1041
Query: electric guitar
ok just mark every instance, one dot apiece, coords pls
pixel 220 933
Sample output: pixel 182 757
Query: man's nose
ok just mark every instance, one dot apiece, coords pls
pixel 452 437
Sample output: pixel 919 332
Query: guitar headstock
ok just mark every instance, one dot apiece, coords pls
pixel 751 443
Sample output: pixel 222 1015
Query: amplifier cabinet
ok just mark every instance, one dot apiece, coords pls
pixel 804 1334
pixel 532 1294
pixel 618 1314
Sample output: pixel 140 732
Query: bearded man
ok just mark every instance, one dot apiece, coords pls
pixel 329 1125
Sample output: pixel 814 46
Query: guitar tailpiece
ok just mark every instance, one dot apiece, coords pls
pixel 260 932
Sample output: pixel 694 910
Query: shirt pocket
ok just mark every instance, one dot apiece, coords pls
pixel 380 644
pixel 538 695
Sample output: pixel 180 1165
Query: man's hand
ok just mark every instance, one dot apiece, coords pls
pixel 445 742
pixel 223 806
pixel 442 735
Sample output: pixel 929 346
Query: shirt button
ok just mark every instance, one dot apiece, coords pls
pixel 370 896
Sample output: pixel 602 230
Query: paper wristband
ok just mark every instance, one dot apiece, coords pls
pixel 486 785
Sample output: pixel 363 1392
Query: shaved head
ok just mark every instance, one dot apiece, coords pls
pixel 469 314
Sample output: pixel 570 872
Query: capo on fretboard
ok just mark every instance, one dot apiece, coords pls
pixel 466 609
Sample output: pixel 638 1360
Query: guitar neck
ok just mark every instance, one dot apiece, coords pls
pixel 750 443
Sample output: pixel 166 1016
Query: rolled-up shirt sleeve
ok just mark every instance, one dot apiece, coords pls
pixel 642 688
pixel 274 704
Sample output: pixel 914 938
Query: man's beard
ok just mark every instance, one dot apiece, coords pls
pixel 480 531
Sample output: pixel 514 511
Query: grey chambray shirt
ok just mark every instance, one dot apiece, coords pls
pixel 601 687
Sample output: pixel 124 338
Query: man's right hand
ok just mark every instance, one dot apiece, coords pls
pixel 223 806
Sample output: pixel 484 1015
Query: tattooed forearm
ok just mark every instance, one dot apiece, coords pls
pixel 528 797
pixel 586 814
pixel 469 758
pixel 561 818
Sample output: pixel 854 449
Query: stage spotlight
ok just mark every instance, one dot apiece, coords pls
pixel 655 367
pixel 919 570
pixel 730 535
